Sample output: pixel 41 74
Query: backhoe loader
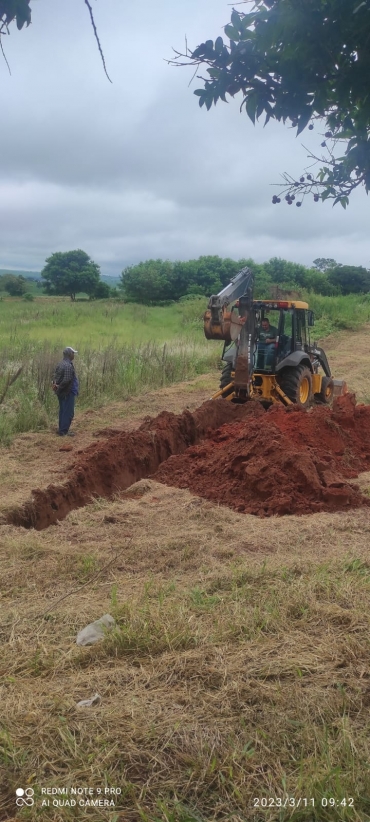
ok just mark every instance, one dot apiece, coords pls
pixel 268 353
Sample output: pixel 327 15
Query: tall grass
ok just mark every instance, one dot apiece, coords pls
pixel 339 313
pixel 124 349
pixel 63 322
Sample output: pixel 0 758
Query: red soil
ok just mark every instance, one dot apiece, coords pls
pixel 107 467
pixel 284 462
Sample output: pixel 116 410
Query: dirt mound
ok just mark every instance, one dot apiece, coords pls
pixel 105 468
pixel 283 461
pixel 286 462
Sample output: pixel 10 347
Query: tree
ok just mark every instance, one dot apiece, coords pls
pixel 294 275
pixel 20 11
pixel 305 63
pixel 70 272
pixel 148 282
pixel 283 271
pixel 324 263
pixel 102 291
pixel 156 281
pixel 16 286
pixel 351 279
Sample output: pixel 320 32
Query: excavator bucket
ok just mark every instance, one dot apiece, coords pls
pixel 340 388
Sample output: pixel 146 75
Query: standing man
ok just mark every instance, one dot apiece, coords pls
pixel 65 385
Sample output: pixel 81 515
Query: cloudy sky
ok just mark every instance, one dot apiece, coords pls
pixel 135 169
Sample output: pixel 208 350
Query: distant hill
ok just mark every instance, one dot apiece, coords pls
pixel 112 281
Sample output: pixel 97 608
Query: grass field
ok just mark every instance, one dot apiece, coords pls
pixel 238 671
pixel 124 349
pixel 97 323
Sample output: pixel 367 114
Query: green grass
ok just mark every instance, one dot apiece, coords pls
pixel 338 313
pixel 61 322
pixel 124 350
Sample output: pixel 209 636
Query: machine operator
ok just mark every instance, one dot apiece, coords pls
pixel 267 335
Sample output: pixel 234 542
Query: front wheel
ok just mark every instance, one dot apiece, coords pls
pixel 297 385
pixel 327 391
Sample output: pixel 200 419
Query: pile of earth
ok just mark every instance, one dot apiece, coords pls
pixel 283 461
pixel 107 467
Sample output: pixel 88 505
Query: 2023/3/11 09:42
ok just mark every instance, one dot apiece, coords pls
pixel 303 802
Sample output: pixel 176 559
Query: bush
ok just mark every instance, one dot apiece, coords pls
pixel 28 297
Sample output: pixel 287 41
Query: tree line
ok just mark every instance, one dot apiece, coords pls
pixel 156 282
pixel 159 281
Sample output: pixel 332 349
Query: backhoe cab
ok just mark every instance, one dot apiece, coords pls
pixel 268 353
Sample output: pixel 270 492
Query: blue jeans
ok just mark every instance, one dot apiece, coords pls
pixel 265 355
pixel 66 412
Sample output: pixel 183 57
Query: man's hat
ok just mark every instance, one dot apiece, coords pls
pixel 70 350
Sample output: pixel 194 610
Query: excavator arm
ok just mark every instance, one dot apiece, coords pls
pixel 218 317
pixel 222 323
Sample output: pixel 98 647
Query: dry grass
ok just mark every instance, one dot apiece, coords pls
pixel 238 668
pixel 34 460
pixel 348 355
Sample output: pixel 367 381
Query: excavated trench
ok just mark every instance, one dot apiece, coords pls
pixel 283 461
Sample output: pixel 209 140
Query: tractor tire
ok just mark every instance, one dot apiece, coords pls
pixel 226 377
pixel 326 394
pixel 297 385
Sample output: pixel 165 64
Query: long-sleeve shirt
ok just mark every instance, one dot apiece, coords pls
pixel 64 377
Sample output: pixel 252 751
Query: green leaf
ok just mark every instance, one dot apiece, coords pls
pixel 214 73
pixel 304 119
pixel 247 21
pixel 250 106
pixel 219 44
pixel 23 14
pixel 232 33
pixel 235 19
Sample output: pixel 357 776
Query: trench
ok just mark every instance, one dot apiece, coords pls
pixel 104 469
pixel 283 461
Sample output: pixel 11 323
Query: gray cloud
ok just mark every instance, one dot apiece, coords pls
pixel 135 169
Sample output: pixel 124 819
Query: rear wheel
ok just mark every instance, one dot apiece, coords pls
pixel 297 385
pixel 327 391
pixel 226 377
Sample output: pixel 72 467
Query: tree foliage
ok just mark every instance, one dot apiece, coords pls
pixel 303 63
pixel 324 263
pixel 15 285
pixel 70 272
pixel 156 281
pixel 350 279
pixel 160 281
pixel 102 291
pixel 20 12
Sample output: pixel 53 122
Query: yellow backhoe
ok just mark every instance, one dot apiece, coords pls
pixel 268 353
